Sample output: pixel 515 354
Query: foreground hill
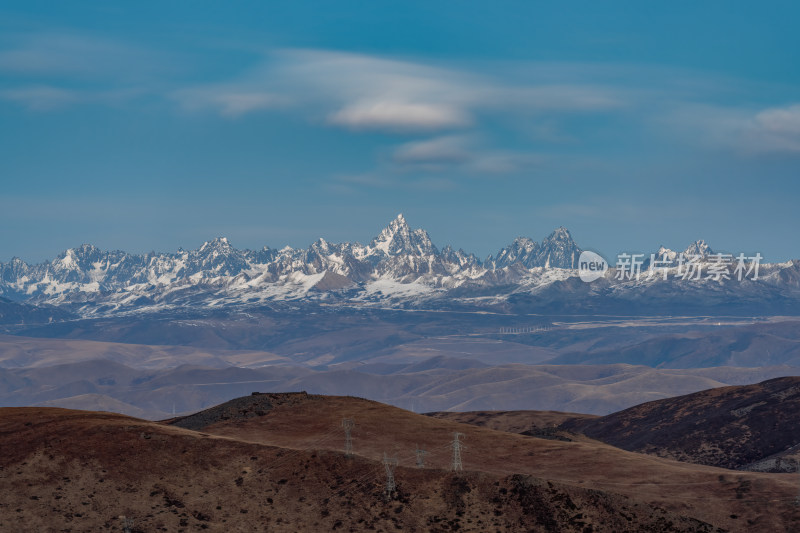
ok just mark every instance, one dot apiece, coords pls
pixel 535 423
pixel 70 471
pixel 750 427
pixel 731 500
pixel 747 427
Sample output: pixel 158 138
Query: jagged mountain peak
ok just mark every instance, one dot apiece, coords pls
pixel 320 245
pixel 664 257
pixel 217 257
pixel 397 226
pixel 86 249
pixel 525 243
pixel 67 260
pixel 521 250
pixel 558 250
pixel 700 248
pixel 217 243
pixel 398 238
pixel 560 233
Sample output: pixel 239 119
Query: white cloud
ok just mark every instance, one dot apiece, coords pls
pixel 783 121
pixel 775 130
pixel 353 91
pixel 364 92
pixel 374 93
pixel 449 149
pixel 348 90
pixel 772 130
pixel 400 116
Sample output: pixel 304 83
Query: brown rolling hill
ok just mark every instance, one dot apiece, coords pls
pixel 720 497
pixel 542 424
pixel 274 462
pixel 751 427
pixel 535 423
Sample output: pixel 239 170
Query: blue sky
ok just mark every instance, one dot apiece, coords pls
pixel 634 124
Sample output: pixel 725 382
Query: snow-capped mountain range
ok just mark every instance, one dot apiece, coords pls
pixel 400 266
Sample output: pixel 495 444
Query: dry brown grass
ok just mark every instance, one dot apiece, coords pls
pixel 67 470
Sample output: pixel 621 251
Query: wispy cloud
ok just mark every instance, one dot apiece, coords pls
pixel 460 105
pixel 461 153
pixel 375 93
pixel 46 71
pixel 353 91
pixel 400 116
pixel 228 101
pixel 775 129
pixel 47 98
pixel 353 183
pixel 754 132
pixel 40 98
pixel 364 92
pixel 50 54
pixel 439 150
pixel 555 98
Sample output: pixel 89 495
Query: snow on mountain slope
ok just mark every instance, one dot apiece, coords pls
pixel 558 250
pixel 401 265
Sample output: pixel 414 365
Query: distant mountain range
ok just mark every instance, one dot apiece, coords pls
pixel 400 268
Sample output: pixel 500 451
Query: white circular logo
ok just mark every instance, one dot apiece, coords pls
pixel 591 266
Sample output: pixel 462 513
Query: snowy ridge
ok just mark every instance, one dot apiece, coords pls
pixel 398 261
pixel 558 250
pixel 400 266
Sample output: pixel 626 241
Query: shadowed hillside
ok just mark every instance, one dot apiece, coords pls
pixel 745 427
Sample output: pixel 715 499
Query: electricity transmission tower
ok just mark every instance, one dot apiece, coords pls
pixel 457 447
pixel 127 524
pixel 797 500
pixel 348 424
pixel 420 453
pixel 389 465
